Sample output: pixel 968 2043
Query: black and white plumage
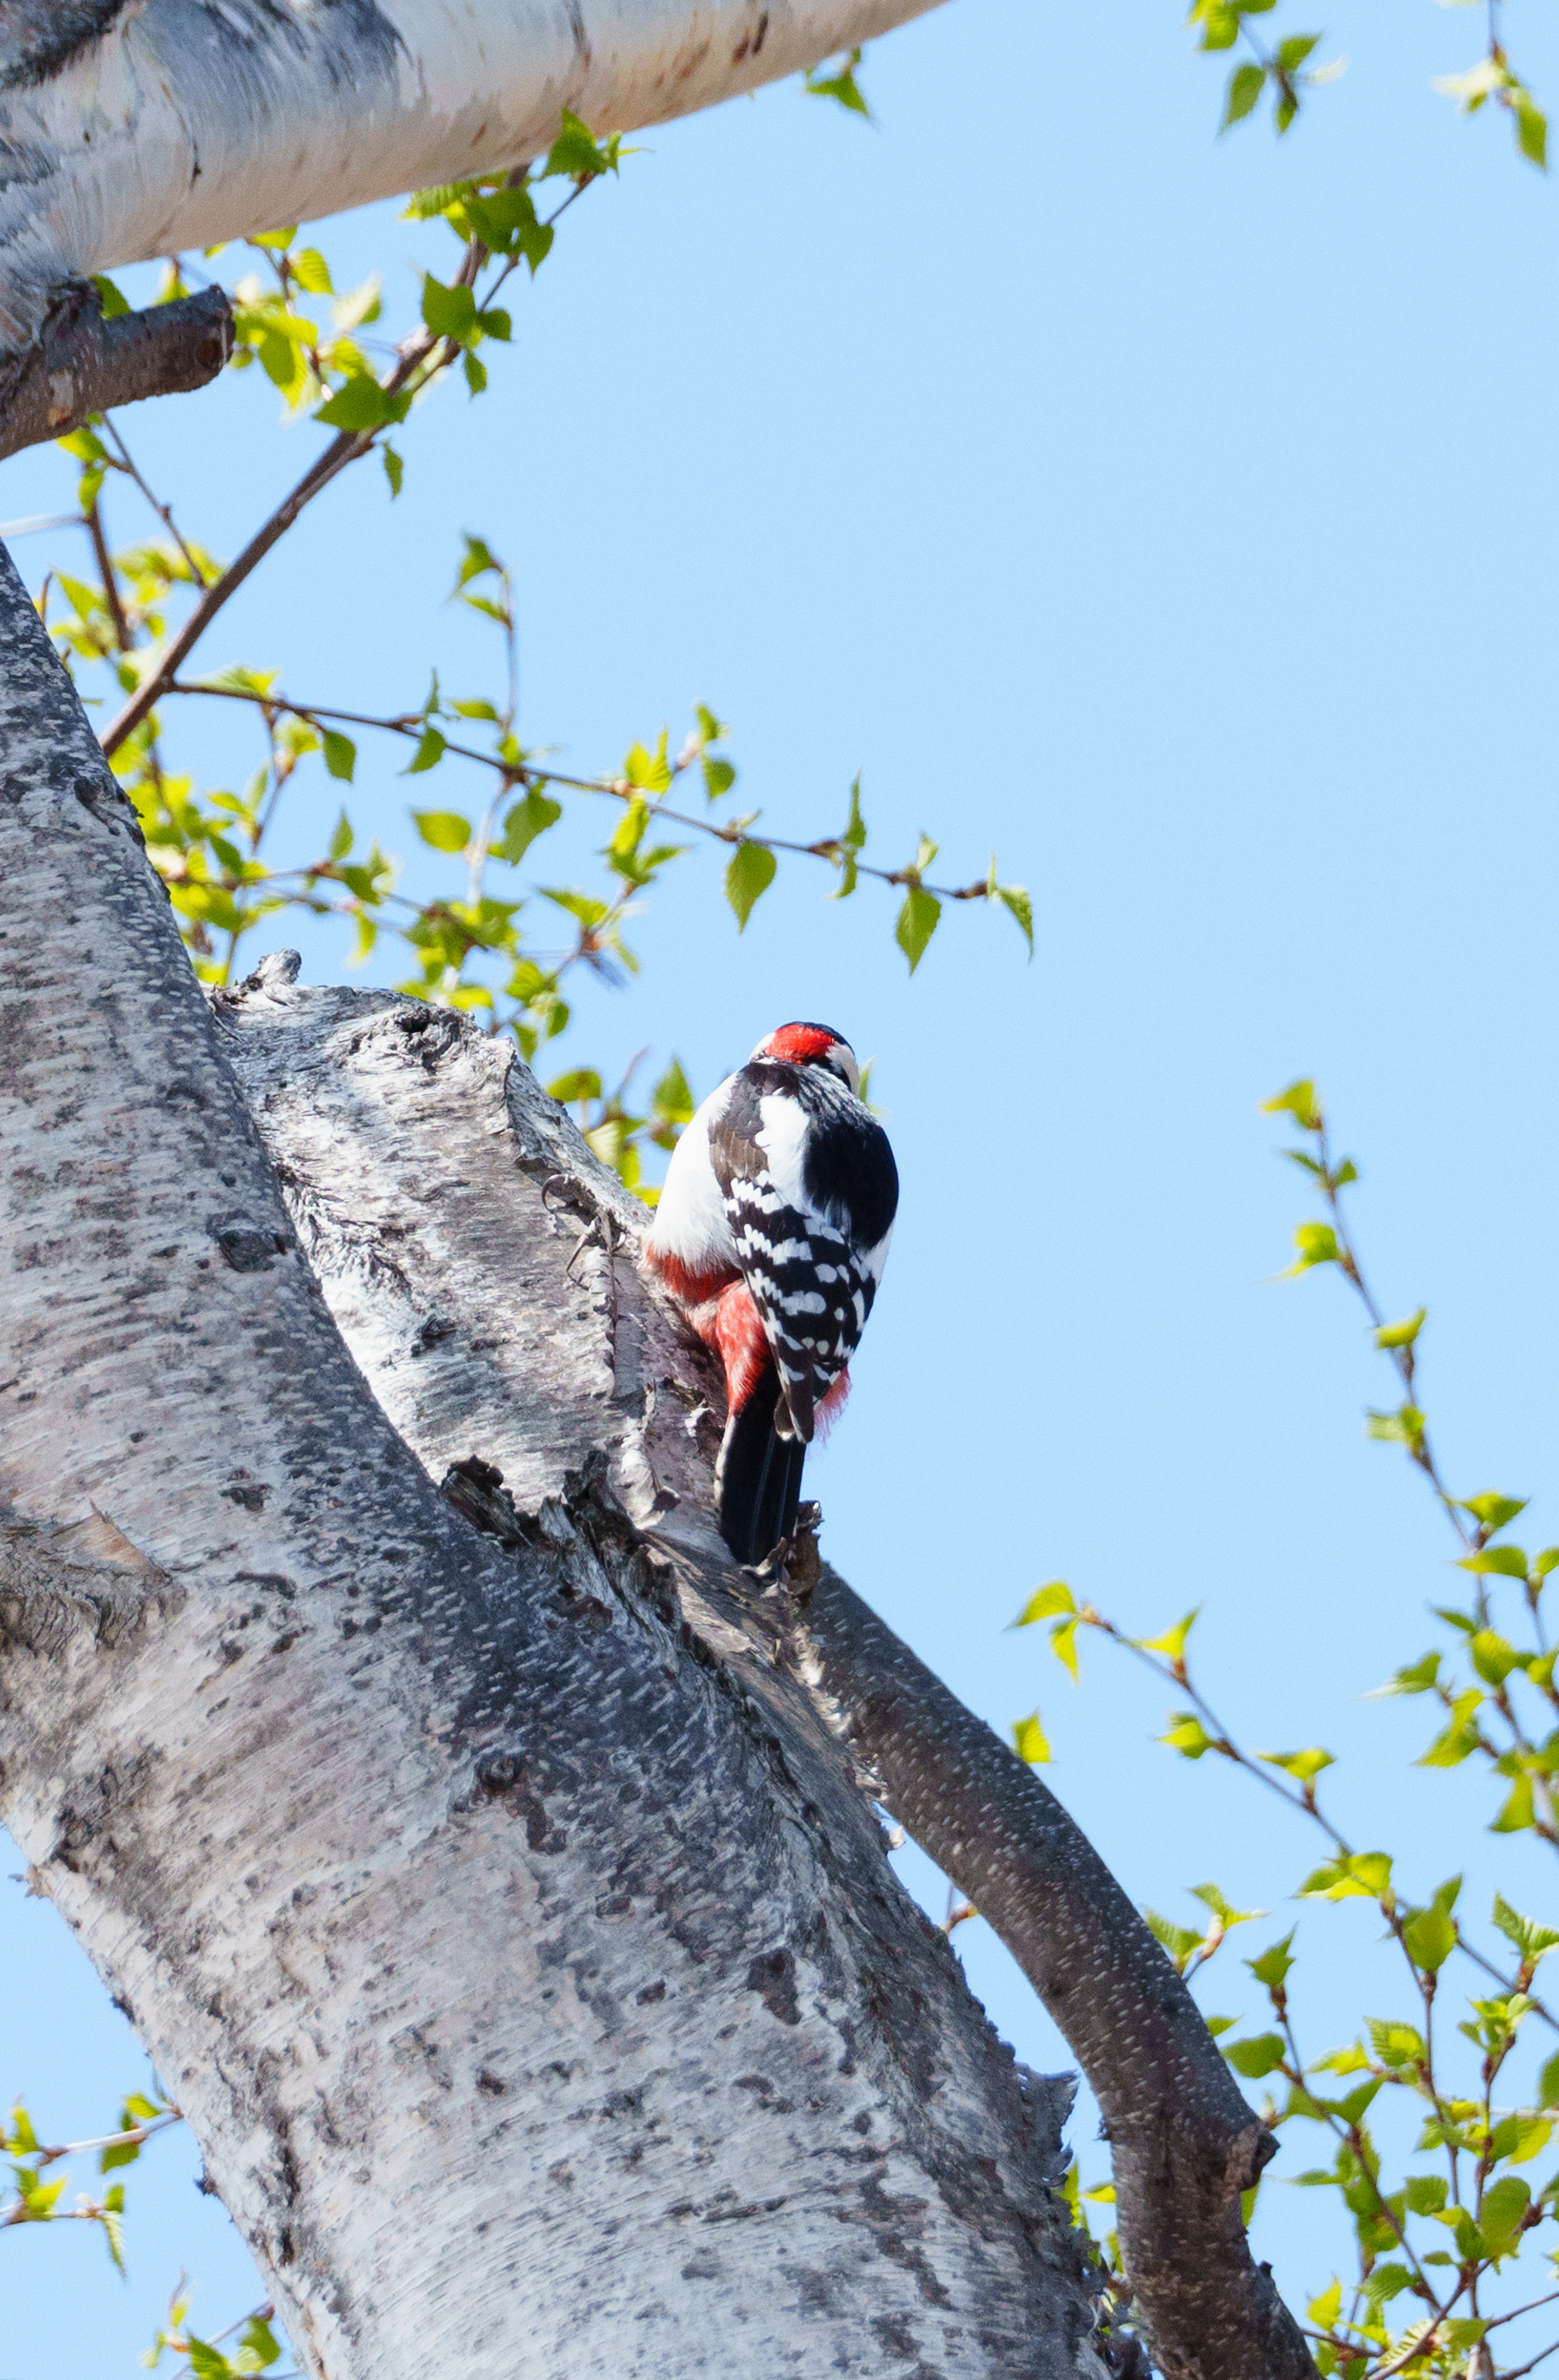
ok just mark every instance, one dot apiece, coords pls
pixel 773 1230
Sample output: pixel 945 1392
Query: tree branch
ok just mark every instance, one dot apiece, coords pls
pixel 83 361
pixel 1184 2142
pixel 528 1977
pixel 510 1315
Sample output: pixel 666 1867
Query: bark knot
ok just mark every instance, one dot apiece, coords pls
pixel 85 1578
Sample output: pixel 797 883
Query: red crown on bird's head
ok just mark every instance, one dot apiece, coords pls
pixel 813 1045
pixel 799 1045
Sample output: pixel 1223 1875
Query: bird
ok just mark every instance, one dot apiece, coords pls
pixel 770 1233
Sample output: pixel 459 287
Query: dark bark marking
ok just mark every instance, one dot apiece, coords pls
pixel 39 36
pixel 773 1977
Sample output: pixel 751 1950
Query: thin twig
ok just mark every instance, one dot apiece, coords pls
pixel 163 512
pixel 412 725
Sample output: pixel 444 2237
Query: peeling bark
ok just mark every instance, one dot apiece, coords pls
pixel 472 1248
pixel 130 131
pixel 509 1929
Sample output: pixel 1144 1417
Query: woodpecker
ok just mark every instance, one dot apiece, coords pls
pixel 771 1233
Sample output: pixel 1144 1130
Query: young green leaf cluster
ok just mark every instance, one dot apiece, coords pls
pixel 257 2347
pixel 37 2193
pixel 487 943
pixel 1443 2246
pixel 1281 68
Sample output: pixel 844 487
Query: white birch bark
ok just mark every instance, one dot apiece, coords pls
pixel 527 1965
pixel 131 128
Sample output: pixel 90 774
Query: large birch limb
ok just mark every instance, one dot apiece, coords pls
pixel 481 1263
pixel 132 129
pixel 537 1991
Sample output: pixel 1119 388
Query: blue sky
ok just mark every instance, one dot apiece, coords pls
pixel 1176 516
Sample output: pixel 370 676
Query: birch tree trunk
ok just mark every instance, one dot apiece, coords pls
pixel 131 128
pixel 497 1907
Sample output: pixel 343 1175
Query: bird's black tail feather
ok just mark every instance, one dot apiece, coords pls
pixel 760 1476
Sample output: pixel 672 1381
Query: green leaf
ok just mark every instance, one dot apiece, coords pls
pixel 1492 1657
pixel 749 875
pixel 1366 1875
pixel 1300 1102
pixel 524 822
pixel 340 755
pixel 445 830
pixel 841 87
pixel 1292 53
pixel 362 405
pixel 670 1097
pixel 258 2348
pixel 1394 2044
pixel 1045 1603
pixel 1187 1735
pixel 1303 1767
pixel 1533 1941
pixel 575 153
pixel 311 273
pixel 1182 1942
pixel 1246 86
pixel 395 470
pixel 1017 901
pixel 475 373
pixel 1172 1644
pixel 1316 1243
pixel 1263 2055
pixel 1519 2138
pixel 208 2363
pixel 1531 132
pixel 1417 1677
pixel 1494 1513
pixel 1500 1562
pixel 1547 2082
pixel 719 776
pixel 428 753
pixel 651 772
pixel 1324 2310
pixel 1430 1936
pixel 505 221
pixel 1272 1967
pixel 341 841
pixel 1403 1427
pixel 1501 2216
pixel 1518 1812
pixel 851 843
pixel 917 923
pixel 1426 2193
pixel 1401 1334
pixel 1029 1741
pixel 449 312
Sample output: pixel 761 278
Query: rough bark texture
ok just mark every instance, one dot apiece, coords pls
pixel 481 1263
pixel 128 131
pixel 527 1964
pixel 81 362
